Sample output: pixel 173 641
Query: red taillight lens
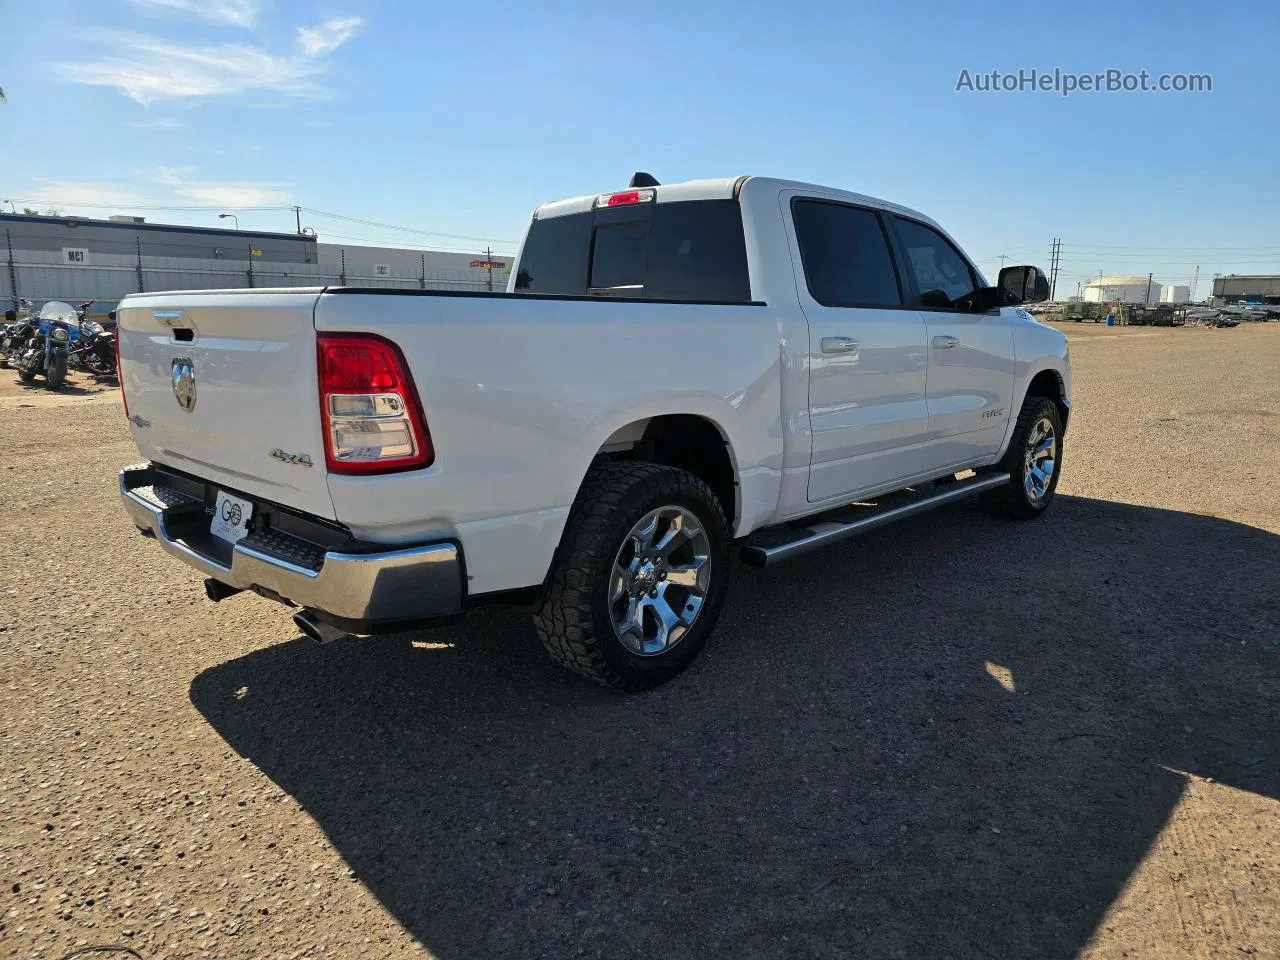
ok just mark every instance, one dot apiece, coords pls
pixel 620 199
pixel 120 373
pixel 372 415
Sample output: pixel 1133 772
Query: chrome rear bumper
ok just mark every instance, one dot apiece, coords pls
pixel 359 585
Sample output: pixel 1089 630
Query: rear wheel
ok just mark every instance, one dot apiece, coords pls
pixel 639 578
pixel 26 375
pixel 1033 462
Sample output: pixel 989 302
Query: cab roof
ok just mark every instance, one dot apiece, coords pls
pixel 727 188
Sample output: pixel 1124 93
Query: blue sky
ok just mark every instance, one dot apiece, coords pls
pixel 460 118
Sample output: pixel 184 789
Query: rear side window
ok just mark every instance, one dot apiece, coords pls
pixel 687 250
pixel 845 255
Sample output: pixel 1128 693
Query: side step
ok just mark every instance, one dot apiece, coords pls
pixel 822 534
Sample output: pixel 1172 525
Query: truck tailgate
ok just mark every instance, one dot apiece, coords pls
pixel 223 385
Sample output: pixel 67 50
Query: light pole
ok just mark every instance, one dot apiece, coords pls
pixel 223 216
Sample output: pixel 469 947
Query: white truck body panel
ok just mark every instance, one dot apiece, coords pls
pixel 256 389
pixel 521 393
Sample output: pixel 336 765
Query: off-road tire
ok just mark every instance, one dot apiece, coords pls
pixel 572 618
pixel 26 376
pixel 1012 500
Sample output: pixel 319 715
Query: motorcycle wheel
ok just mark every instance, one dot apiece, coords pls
pixel 55 372
pixel 26 375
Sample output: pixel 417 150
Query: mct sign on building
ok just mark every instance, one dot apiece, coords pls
pixel 77 258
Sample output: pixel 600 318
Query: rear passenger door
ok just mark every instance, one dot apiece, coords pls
pixel 970 370
pixel 866 354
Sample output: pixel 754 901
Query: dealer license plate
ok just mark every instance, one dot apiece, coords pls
pixel 231 517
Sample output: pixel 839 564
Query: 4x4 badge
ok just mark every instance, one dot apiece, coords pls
pixel 297 459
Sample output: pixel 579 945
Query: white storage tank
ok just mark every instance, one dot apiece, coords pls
pixel 1175 293
pixel 1124 288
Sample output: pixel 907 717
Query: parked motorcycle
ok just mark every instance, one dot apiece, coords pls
pixel 16 333
pixel 47 352
pixel 96 351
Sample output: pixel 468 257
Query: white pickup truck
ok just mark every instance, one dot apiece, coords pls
pixel 677 371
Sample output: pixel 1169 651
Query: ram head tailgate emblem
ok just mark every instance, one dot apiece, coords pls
pixel 184 383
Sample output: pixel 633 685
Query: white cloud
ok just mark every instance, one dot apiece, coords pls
pixel 150 69
pixel 221 194
pixel 174 187
pixel 235 194
pixel 81 193
pixel 329 36
pixel 237 13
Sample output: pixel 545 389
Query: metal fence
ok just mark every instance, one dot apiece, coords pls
pixel 40 275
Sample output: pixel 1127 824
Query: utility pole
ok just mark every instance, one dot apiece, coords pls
pixel 1055 258
pixel 1003 258
pixel 141 286
pixel 13 273
pixel 1147 299
pixel 1195 280
pixel 297 217
pixel 488 267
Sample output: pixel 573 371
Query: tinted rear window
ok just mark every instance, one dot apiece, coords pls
pixel 690 250
pixel 846 255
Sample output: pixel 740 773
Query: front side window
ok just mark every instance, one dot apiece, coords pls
pixel 941 275
pixel 845 255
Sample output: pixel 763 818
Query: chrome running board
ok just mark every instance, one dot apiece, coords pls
pixel 823 533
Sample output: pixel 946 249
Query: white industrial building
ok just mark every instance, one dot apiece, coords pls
pixel 1122 289
pixel 80 258
pixel 1175 293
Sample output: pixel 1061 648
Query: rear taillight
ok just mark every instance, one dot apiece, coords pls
pixel 372 416
pixel 120 373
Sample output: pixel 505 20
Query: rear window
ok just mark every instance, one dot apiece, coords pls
pixel 689 250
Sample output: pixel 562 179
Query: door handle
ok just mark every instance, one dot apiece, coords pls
pixel 945 343
pixel 839 345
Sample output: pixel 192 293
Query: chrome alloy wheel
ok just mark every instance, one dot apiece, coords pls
pixel 660 580
pixel 1040 459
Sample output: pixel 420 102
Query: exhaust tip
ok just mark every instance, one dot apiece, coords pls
pixel 317 631
pixel 215 590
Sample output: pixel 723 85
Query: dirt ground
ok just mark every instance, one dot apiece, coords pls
pixel 955 738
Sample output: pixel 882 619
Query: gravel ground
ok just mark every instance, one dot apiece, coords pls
pixel 956 738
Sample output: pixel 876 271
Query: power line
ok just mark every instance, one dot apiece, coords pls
pixel 392 226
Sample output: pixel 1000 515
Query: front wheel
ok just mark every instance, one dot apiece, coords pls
pixel 26 374
pixel 1033 462
pixel 639 578
pixel 55 372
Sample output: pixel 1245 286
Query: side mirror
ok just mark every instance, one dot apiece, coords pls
pixel 1023 285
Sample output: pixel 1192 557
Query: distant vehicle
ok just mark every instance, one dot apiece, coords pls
pixel 675 368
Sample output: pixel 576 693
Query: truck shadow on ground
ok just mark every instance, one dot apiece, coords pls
pixel 956 738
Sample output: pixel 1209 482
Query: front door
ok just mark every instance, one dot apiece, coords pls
pixel 867 353
pixel 969 383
